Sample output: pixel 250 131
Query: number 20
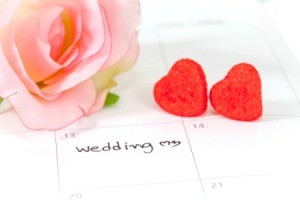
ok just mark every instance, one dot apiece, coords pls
pixel 76 196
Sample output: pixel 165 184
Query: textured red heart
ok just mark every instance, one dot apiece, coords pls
pixel 183 91
pixel 238 96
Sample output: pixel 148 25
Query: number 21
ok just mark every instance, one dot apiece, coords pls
pixel 216 185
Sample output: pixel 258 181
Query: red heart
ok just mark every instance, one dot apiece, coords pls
pixel 183 91
pixel 238 96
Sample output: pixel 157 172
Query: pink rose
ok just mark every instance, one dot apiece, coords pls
pixel 58 57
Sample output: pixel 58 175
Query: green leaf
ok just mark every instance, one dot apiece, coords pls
pixel 1 100
pixel 111 99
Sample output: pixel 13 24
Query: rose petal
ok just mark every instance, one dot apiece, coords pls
pixel 123 18
pixel 72 20
pixel 123 32
pixel 51 115
pixel 34 52
pixel 7 10
pixel 11 53
pixel 84 70
pixel 4 106
pixel 84 59
pixel 92 38
pixel 64 32
pixel 55 38
pixel 128 60
pixel 37 113
pixel 40 28
pixel 104 80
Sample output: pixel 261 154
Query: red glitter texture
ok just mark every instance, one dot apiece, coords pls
pixel 238 96
pixel 183 91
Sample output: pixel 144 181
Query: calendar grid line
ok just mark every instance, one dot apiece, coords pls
pixel 194 159
pixel 133 185
pixel 162 50
pixel 152 123
pixel 57 162
pixel 136 150
pixel 237 176
pixel 280 64
pixel 166 182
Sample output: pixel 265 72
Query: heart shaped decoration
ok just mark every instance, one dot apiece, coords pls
pixel 183 91
pixel 238 96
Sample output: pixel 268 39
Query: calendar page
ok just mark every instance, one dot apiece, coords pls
pixel 135 150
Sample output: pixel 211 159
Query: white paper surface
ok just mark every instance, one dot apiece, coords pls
pixel 285 15
pixel 134 150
